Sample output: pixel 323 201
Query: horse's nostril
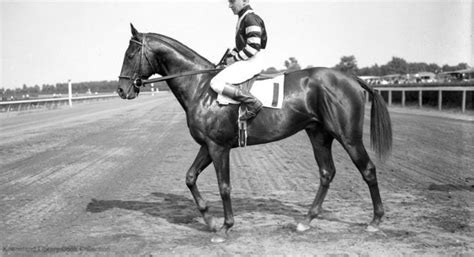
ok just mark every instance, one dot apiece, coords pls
pixel 119 90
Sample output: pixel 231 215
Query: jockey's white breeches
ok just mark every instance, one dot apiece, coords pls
pixel 238 72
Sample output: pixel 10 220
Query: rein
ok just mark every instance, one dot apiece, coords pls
pixel 189 73
pixel 138 82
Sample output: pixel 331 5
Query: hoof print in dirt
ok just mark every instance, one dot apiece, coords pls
pixel 302 227
pixel 372 229
pixel 218 239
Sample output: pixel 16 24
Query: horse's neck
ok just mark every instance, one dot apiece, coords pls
pixel 182 67
pixel 178 59
pixel 188 89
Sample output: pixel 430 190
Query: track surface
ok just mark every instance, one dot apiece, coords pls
pixel 109 178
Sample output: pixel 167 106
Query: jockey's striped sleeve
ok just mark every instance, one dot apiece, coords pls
pixel 251 36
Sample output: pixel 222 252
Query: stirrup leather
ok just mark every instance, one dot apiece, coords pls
pixel 243 133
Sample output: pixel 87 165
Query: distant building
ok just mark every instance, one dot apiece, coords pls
pixel 374 80
pixel 421 77
pixel 425 77
pixel 459 75
pixel 467 74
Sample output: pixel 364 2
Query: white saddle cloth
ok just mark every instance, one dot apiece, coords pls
pixel 268 91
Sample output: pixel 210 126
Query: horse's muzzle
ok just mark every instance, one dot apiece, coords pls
pixel 129 94
pixel 121 93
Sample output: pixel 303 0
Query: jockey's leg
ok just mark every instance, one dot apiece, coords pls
pixel 233 74
pixel 253 104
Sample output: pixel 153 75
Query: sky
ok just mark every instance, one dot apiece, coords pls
pixel 49 42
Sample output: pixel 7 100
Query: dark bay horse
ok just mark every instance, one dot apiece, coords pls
pixel 326 103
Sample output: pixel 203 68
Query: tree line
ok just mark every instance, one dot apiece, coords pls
pixel 396 65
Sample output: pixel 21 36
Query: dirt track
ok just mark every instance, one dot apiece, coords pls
pixel 108 178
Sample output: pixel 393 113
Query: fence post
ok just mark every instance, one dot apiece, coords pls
pixel 420 98
pixel 69 88
pixel 440 99
pixel 403 98
pixel 389 97
pixel 463 104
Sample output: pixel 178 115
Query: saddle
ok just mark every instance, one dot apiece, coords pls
pixel 259 77
pixel 247 86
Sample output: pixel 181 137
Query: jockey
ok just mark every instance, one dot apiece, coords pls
pixel 244 61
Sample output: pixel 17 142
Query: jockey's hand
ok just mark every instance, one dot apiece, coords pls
pixel 229 60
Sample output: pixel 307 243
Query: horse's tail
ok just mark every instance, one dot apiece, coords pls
pixel 380 124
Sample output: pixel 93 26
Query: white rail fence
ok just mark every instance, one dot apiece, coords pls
pixel 24 105
pixel 426 88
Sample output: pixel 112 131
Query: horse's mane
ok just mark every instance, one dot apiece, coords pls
pixel 180 47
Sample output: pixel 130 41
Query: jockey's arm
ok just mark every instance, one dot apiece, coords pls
pixel 251 40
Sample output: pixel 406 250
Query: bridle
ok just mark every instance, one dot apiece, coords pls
pixel 136 78
pixel 138 82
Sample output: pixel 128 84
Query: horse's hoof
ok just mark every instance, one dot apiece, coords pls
pixel 302 227
pixel 372 229
pixel 218 239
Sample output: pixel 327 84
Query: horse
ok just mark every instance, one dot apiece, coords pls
pixel 326 103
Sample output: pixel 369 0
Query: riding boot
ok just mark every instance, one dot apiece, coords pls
pixel 251 102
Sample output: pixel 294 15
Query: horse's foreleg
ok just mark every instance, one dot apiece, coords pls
pixel 361 159
pixel 200 163
pixel 321 143
pixel 220 158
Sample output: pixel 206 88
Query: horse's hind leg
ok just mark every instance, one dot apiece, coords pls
pixel 322 143
pixel 200 163
pixel 361 159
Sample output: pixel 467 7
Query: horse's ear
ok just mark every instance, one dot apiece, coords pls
pixel 134 30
